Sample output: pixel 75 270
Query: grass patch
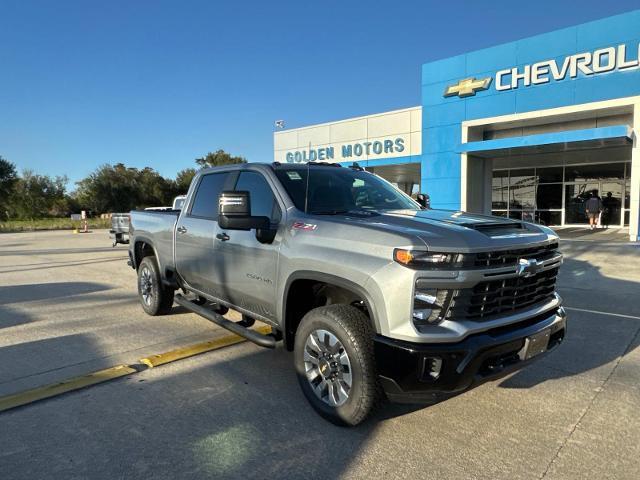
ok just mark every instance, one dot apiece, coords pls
pixel 50 224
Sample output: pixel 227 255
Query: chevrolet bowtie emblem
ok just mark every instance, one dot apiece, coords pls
pixel 467 87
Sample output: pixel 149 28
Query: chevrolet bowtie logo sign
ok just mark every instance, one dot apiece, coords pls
pixel 467 87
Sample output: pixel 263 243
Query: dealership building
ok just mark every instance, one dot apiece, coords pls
pixel 526 130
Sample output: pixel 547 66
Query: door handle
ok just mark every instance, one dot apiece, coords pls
pixel 223 237
pixel 181 229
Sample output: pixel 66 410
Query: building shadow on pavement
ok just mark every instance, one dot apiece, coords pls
pixel 47 291
pixel 56 251
pixel 22 362
pixel 50 265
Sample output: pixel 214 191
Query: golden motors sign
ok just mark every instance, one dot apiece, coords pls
pixel 348 151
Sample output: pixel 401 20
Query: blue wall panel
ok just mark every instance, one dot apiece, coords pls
pixel 492 105
pixel 444 192
pixel 433 93
pixel 445 114
pixel 441 165
pixel 594 89
pixel 384 161
pixel 558 94
pixel 441 139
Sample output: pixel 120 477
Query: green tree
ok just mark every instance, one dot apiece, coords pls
pixel 183 180
pixel 118 188
pixel 110 188
pixel 154 189
pixel 37 196
pixel 8 179
pixel 218 158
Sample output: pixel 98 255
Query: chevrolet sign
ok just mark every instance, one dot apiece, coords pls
pixel 599 61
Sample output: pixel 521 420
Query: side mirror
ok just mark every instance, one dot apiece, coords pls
pixel 424 200
pixel 234 212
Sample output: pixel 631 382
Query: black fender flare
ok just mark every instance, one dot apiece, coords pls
pixel 144 240
pixel 333 280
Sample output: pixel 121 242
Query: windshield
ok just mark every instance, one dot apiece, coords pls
pixel 334 190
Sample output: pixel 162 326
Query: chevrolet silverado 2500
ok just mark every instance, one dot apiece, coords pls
pixel 376 295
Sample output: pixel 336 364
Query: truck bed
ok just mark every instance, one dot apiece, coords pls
pixel 155 227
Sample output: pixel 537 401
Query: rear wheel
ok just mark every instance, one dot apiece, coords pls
pixel 156 299
pixel 335 364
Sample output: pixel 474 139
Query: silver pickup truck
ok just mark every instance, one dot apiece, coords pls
pixel 377 295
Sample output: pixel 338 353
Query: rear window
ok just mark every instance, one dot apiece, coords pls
pixel 205 202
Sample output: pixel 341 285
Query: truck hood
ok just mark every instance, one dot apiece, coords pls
pixel 453 231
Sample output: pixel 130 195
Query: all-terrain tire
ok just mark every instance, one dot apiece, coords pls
pixel 352 328
pixel 156 298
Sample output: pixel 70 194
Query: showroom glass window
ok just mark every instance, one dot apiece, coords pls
pixel 556 195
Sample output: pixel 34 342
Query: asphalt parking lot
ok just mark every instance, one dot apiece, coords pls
pixel 68 306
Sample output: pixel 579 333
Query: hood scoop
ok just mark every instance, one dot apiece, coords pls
pixel 496 229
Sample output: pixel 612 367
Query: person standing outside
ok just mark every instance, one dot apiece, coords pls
pixel 593 209
pixel 609 209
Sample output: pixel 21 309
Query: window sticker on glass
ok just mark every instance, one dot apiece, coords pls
pixel 293 175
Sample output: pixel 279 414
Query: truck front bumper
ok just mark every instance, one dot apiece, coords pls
pixel 427 373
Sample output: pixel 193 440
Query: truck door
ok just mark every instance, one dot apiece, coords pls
pixel 197 261
pixel 250 267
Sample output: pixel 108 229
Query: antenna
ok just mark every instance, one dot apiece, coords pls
pixel 306 193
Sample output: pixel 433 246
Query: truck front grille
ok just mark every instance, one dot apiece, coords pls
pixel 506 258
pixel 502 296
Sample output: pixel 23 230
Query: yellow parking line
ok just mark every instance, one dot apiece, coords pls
pixel 76 383
pixel 69 385
pixel 198 348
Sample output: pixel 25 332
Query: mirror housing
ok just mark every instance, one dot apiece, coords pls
pixel 234 212
pixel 424 200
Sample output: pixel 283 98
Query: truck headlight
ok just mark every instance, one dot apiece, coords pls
pixel 423 258
pixel 429 306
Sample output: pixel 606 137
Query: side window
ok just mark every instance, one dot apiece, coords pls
pixel 205 202
pixel 263 203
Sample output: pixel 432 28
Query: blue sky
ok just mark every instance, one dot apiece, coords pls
pixel 159 83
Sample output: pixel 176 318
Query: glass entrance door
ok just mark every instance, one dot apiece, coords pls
pixel 577 194
pixel 575 197
pixel 612 194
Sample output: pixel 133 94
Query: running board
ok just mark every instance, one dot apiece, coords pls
pixel 267 341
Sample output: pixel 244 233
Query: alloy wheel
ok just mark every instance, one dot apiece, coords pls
pixel 146 286
pixel 328 367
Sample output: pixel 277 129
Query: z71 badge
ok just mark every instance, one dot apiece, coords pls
pixel 304 226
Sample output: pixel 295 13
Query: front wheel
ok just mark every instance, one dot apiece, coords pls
pixel 335 364
pixel 156 299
